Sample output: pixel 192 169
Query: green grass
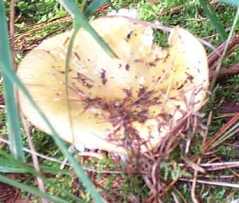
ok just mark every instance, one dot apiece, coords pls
pixel 191 16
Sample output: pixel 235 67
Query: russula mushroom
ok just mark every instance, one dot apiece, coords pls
pixel 133 100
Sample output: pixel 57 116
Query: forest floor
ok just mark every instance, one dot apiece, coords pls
pixel 194 176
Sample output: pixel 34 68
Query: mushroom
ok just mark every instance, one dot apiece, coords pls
pixel 116 103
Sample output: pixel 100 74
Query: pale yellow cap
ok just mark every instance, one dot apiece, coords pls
pixel 143 93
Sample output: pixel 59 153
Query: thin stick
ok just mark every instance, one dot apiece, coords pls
pixel 61 162
pixel 35 161
pixel 194 182
pixel 210 143
pixel 220 166
pixel 226 72
pixel 222 184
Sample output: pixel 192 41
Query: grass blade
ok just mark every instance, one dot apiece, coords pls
pixel 13 78
pixel 94 5
pixel 78 169
pixel 210 13
pixel 81 21
pixel 30 189
pixel 13 122
pixel 8 166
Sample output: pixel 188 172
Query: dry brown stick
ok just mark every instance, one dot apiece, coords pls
pixel 208 144
pixel 216 183
pixel 168 187
pixel 220 165
pixel 38 27
pixel 230 71
pixel 215 55
pixel 172 11
pixel 35 161
pixel 194 182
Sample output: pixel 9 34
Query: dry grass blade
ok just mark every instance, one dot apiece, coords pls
pixel 220 166
pixel 194 183
pixel 35 161
pixel 210 143
pixel 216 183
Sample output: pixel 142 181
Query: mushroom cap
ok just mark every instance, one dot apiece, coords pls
pixel 116 103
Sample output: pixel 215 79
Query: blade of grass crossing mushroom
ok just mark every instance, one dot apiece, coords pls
pixel 13 122
pixel 210 13
pixel 231 2
pixel 14 79
pixel 68 57
pixel 31 189
pixel 81 21
pixel 76 166
pixel 94 5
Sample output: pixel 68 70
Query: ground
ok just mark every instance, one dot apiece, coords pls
pixel 36 21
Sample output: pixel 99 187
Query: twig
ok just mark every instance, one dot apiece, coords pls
pixel 175 198
pixel 208 144
pixel 227 72
pixel 223 184
pixel 215 166
pixel 220 166
pixel 35 161
pixel 61 162
pixel 194 182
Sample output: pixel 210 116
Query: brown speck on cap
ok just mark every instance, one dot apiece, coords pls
pixel 189 77
pixel 138 60
pixel 87 82
pixel 156 59
pixel 127 67
pixel 127 92
pixel 180 87
pixel 77 55
pixel 152 64
pixel 129 35
pixel 103 76
pixel 159 78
